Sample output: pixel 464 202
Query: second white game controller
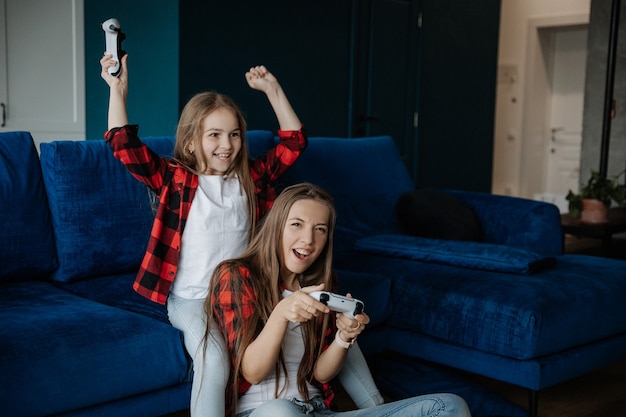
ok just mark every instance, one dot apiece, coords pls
pixel 114 36
pixel 348 306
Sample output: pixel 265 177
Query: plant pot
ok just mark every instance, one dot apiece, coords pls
pixel 594 211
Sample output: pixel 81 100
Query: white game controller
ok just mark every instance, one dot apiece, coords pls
pixel 348 306
pixel 114 36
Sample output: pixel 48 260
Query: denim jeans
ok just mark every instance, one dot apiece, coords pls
pixel 210 367
pixel 432 405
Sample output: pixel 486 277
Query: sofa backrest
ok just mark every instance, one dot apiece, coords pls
pixel 516 221
pixel 27 250
pixel 101 215
pixel 365 176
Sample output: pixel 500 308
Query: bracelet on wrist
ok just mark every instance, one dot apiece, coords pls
pixel 343 343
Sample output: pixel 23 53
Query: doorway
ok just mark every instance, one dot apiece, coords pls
pixel 553 111
pixel 566 110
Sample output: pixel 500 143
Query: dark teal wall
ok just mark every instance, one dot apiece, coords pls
pixel 315 48
pixel 306 44
pixel 457 93
pixel 151 28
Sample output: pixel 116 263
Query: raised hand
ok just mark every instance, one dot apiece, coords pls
pixel 259 78
pixel 119 83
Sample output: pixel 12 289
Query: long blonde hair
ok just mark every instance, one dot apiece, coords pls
pixel 264 260
pixel 189 132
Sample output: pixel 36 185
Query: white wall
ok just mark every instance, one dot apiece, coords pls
pixel 43 67
pixel 515 19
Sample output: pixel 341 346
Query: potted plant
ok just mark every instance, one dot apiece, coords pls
pixel 596 197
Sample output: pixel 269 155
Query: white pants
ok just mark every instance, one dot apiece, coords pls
pixel 210 367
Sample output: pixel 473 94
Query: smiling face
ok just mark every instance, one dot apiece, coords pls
pixel 305 234
pixel 221 141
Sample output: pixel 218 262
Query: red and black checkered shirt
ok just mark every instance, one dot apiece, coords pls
pixel 234 293
pixel 176 187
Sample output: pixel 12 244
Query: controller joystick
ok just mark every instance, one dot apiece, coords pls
pixel 114 36
pixel 348 306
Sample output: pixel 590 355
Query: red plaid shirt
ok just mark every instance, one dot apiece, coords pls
pixel 232 294
pixel 176 187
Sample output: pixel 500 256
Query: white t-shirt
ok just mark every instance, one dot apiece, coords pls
pixel 216 230
pixel 293 350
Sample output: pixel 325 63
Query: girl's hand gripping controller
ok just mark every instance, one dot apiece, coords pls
pixel 114 36
pixel 348 306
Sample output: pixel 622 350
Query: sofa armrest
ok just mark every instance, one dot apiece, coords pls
pixel 516 222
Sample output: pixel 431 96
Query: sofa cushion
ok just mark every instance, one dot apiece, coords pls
pixel 519 317
pixel 475 255
pixel 435 214
pixel 116 291
pixel 28 250
pixel 102 216
pixel 73 353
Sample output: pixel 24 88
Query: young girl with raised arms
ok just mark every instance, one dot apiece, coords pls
pixel 284 345
pixel 210 197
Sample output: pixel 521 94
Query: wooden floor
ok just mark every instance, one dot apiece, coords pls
pixel 601 393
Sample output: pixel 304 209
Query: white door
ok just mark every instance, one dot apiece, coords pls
pixel 43 68
pixel 553 108
pixel 563 146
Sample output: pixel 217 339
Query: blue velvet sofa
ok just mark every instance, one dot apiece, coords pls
pixel 509 306
pixel 77 341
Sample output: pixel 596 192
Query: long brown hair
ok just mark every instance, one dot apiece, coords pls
pixel 264 260
pixel 189 131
